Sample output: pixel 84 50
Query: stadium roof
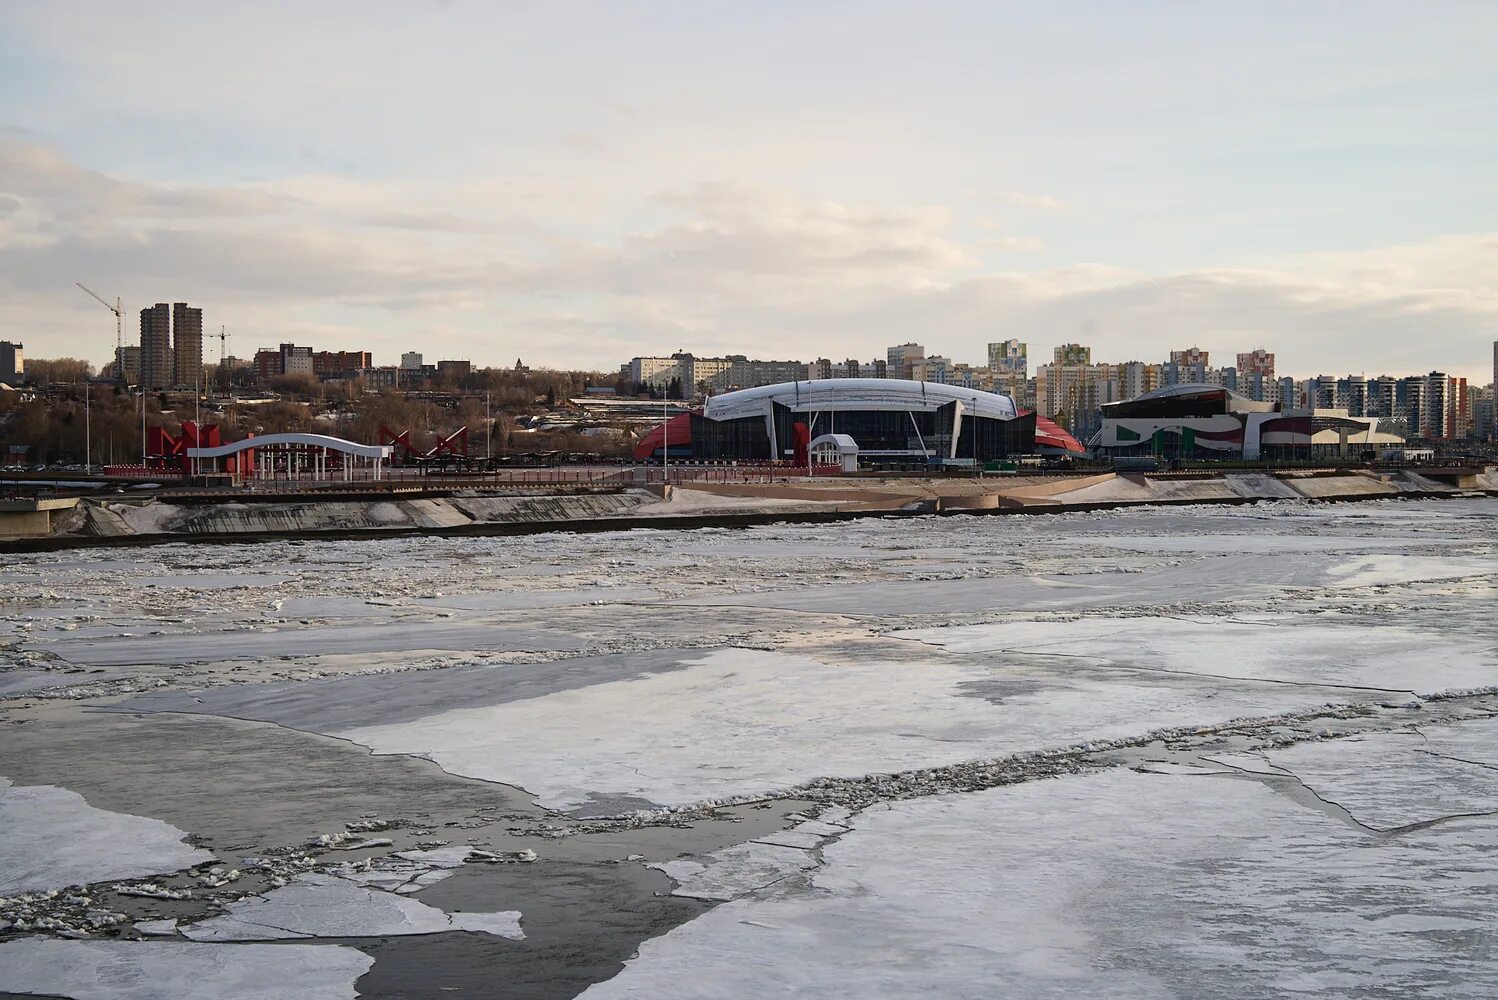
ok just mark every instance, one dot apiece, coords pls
pixel 1232 401
pixel 859 394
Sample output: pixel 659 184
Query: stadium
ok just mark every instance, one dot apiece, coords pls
pixel 1201 421
pixel 865 422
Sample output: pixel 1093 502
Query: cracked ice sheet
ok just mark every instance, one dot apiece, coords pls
pixel 1372 776
pixel 739 722
pixel 254 644
pixel 736 871
pixel 1117 885
pixel 1286 650
pixel 50 837
pixel 330 907
pixel 1200 579
pixel 141 970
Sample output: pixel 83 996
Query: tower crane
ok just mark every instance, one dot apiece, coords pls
pixel 223 354
pixel 119 329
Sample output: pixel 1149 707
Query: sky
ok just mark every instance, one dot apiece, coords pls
pixel 573 184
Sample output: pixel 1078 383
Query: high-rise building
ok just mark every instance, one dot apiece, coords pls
pixel 1411 405
pixel 933 369
pixel 12 363
pixel 900 360
pixel 1135 378
pixel 1071 354
pixel 157 366
pixel 1382 395
pixel 1009 357
pixel 1256 362
pixel 187 345
pixel 1352 395
pixel 129 362
pixel 1458 408
pixel 411 360
pixel 1071 393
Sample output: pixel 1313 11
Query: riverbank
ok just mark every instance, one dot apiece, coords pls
pixel 107 522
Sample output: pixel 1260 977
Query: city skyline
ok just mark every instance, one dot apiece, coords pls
pixel 1310 180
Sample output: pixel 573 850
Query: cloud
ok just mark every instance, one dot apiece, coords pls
pixel 1027 200
pixel 40 174
pixel 719 266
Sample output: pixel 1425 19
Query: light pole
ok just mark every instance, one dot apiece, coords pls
pixel 88 431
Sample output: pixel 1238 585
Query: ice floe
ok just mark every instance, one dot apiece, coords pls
pixel 50 837
pixel 318 905
pixel 1119 885
pixel 153 970
pixel 1283 649
pixel 738 722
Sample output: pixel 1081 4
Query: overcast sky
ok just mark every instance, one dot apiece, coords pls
pixel 574 184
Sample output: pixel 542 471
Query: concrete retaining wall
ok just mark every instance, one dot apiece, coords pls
pixel 120 522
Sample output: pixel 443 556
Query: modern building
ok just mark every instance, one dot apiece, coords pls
pixel 157 365
pixel 453 371
pixel 900 359
pixel 1209 421
pixel 1352 395
pixel 699 374
pixel 411 360
pixel 888 421
pixel 1009 357
pixel 1071 394
pixel 1484 416
pixel 1188 367
pixel 12 363
pixel 1135 378
pixel 287 359
pixel 654 373
pixel 706 376
pixel 1257 362
pixel 127 366
pixel 340 364
pixel 187 346
pixel 934 368
pixel 746 373
pixel 386 377
pixel 1071 354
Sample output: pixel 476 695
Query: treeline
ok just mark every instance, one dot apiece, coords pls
pixel 58 426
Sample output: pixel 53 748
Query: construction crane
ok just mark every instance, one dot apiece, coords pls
pixel 223 354
pixel 119 329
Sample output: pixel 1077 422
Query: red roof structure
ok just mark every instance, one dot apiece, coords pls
pixel 676 433
pixel 1048 434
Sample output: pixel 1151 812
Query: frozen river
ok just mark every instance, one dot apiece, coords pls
pixel 1152 753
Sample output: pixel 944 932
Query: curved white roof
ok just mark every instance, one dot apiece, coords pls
pixel 858 394
pixel 843 444
pixel 304 440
